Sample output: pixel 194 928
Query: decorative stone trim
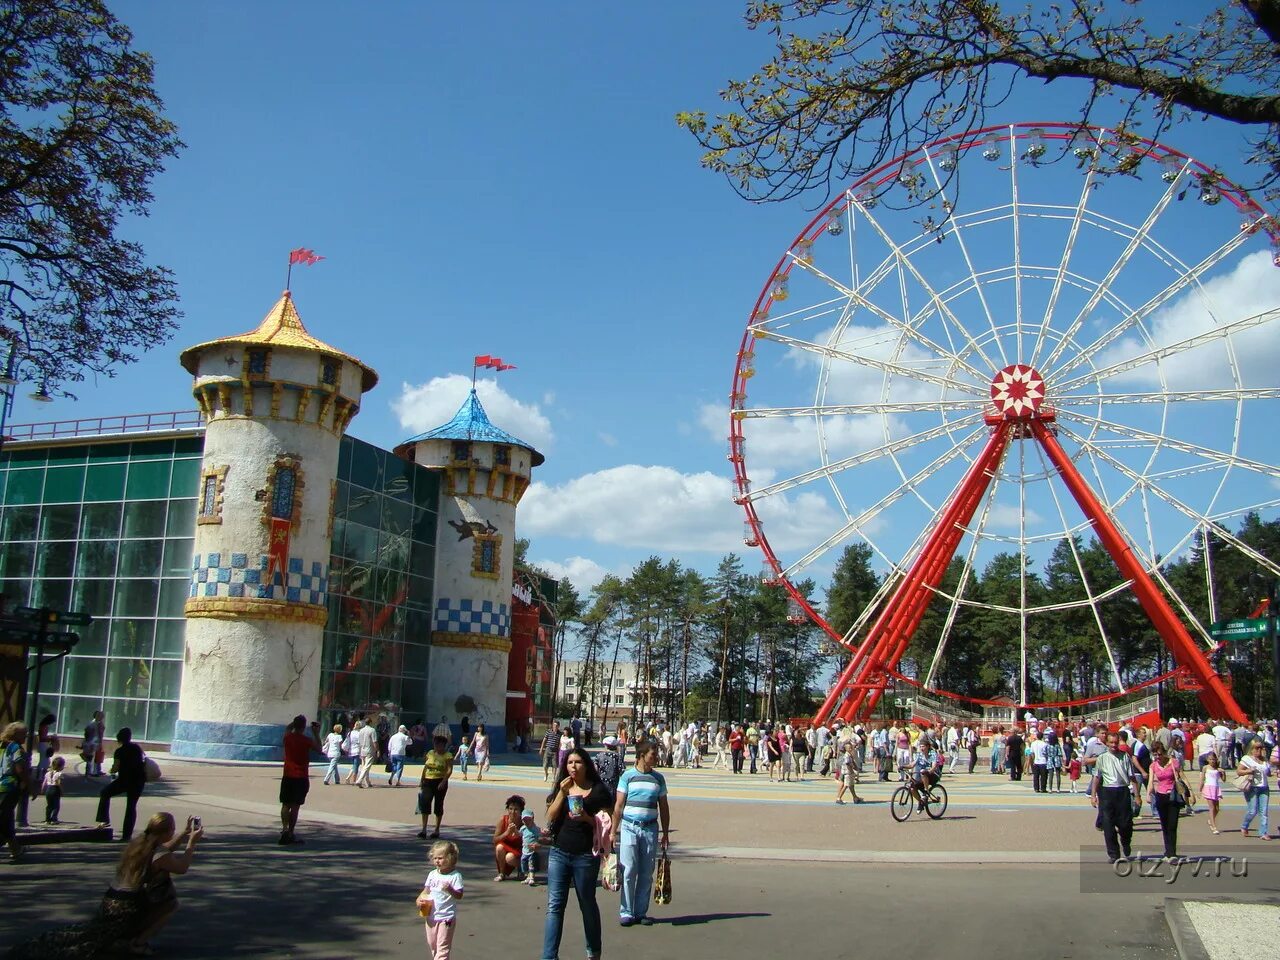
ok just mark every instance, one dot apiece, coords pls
pixel 304 401
pixel 472 617
pixel 224 574
pixel 219 475
pixel 483 543
pixel 238 608
pixel 470 641
pixel 333 503
pixel 285 460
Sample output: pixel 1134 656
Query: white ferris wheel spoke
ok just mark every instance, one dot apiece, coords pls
pixel 1064 262
pixel 1182 282
pixel 945 312
pixel 1172 443
pixel 864 409
pixel 1170 396
pixel 869 456
pixel 1173 349
pixel 1122 261
pixel 884 366
pixel 1091 599
pixel 887 317
pixel 855 523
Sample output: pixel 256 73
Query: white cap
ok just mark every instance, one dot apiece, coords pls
pixel 610 741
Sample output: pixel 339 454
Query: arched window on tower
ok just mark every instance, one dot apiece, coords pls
pixel 282 492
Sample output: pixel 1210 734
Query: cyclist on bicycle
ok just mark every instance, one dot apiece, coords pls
pixel 927 768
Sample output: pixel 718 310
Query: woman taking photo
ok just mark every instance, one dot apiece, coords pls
pixel 571 813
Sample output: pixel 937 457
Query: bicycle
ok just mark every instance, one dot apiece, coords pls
pixel 932 798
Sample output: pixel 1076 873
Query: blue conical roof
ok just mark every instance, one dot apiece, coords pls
pixel 472 423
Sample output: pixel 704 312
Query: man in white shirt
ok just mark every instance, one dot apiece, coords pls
pixel 1205 744
pixel 441 729
pixel 1040 765
pixel 368 741
pixel 397 747
pixel 1112 775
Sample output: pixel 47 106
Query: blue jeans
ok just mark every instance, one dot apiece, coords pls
pixel 638 855
pixel 397 768
pixel 580 870
pixel 1257 803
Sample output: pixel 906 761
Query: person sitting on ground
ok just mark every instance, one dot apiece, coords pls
pixel 507 842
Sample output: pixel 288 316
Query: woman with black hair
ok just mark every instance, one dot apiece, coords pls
pixel 571 819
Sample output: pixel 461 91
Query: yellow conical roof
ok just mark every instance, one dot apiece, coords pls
pixel 281 327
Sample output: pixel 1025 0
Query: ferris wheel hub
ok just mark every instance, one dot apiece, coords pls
pixel 1017 392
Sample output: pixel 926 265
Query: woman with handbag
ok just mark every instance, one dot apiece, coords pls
pixel 1252 775
pixel 571 821
pixel 1166 798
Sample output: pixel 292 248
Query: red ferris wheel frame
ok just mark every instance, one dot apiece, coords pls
pixel 1018 412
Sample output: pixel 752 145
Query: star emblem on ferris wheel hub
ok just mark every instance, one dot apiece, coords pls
pixel 1017 390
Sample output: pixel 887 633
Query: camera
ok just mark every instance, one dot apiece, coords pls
pixel 195 823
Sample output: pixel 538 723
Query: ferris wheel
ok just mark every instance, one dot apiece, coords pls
pixel 1003 343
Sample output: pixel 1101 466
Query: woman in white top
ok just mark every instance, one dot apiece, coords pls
pixel 1257 794
pixel 480 750
pixel 351 746
pixel 333 750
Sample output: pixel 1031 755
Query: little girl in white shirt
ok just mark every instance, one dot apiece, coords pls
pixel 443 889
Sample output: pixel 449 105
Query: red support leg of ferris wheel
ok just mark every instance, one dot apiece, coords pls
pixel 1215 696
pixel 912 596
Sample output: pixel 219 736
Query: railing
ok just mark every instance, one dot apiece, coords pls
pixel 106 426
pixel 1128 710
pixel 939 713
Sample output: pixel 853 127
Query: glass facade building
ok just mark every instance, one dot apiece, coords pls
pixel 107 526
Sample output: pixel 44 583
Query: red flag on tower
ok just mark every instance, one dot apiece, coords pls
pixel 304 256
pixel 483 360
pixel 278 550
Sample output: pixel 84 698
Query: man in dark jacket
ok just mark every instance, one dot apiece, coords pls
pixel 1013 745
pixel 129 768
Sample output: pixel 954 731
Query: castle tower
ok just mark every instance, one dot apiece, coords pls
pixel 484 473
pixel 276 402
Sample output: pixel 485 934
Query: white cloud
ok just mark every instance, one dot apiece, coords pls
pixel 660 508
pixel 1007 516
pixel 608 439
pixel 788 445
pixel 582 572
pixel 1251 288
pixel 426 406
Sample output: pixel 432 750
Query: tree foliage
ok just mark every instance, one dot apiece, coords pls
pixel 855 83
pixel 82 135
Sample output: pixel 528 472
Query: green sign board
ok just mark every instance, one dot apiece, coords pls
pixel 1241 629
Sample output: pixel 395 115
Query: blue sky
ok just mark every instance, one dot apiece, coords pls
pixel 505 179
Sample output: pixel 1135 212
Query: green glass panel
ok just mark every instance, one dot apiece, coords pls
pixel 186 478
pixel 19 523
pixel 61 456
pixel 420 592
pixel 173 597
pixel 344 459
pixel 60 521
pixel 100 521
pixel 392 586
pixel 415 660
pixel 426 488
pixel 363 507
pixel 93 596
pixel 136 598
pixel 28 457
pixel 93 638
pixel 422 560
pixel 424 526
pixel 397 516
pixel 188 447
pixel 177 558
pixel 4 479
pixel 83 676
pixel 54 594
pixel 74 714
pixel 104 481
pixel 129 679
pixel 170 637
pixel 148 479
pixel 366 465
pixel 361 542
pixel 144 519
pixel 161 720
pixel 63 484
pixel 140 558
pixel 126 713
pixel 398 478
pixel 17 559
pixel 97 558
pixel 182 518
pixel 413 698
pixel 56 559
pixel 132 638
pixel 24 486
pixel 151 450
pixel 166 679
pixel 108 452
pixel 16 592
pixel 393 550
pixel 337 542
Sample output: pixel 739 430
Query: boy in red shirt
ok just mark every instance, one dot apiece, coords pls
pixel 297 774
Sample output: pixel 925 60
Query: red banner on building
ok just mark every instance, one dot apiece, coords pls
pixel 278 549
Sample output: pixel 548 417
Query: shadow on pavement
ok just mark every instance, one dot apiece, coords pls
pixel 706 918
